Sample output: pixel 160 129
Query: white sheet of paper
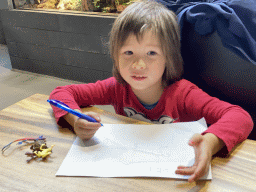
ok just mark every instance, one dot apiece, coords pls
pixel 132 150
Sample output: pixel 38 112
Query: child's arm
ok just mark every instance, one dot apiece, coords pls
pixel 75 96
pixel 228 122
pixel 229 125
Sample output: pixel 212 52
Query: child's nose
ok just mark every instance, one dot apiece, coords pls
pixel 139 65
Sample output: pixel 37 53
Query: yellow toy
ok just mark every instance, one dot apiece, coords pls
pixel 40 150
pixel 43 152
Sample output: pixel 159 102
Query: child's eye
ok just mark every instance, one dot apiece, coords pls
pixel 128 52
pixel 151 53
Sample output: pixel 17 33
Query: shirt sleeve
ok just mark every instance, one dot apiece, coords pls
pixel 82 95
pixel 230 123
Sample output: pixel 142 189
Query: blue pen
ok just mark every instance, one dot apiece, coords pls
pixel 65 107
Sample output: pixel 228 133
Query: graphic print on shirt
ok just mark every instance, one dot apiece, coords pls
pixel 164 119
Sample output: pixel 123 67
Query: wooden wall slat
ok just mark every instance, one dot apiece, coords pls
pixel 58 70
pixel 34 36
pixel 80 42
pixel 85 25
pixel 76 41
pixel 69 57
pixel 28 19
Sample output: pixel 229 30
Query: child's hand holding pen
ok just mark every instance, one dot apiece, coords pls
pixel 85 124
pixel 83 128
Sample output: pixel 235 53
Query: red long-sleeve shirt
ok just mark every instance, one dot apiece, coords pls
pixel 182 100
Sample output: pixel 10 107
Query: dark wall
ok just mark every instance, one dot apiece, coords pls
pixel 2 36
pixel 3 5
pixel 70 46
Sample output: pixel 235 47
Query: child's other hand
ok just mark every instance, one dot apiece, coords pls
pixel 203 156
pixel 85 129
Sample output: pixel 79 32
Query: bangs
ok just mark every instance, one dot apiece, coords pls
pixel 131 25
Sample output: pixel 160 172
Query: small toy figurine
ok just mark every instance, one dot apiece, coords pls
pixel 43 152
pixel 37 144
pixel 39 152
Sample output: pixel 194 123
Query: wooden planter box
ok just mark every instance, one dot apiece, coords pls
pixel 67 45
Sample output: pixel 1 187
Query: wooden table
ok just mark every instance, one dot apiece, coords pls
pixel 33 117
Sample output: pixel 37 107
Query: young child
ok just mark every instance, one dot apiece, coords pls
pixel 147 85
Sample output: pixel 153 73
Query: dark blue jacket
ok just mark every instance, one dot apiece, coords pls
pixel 234 20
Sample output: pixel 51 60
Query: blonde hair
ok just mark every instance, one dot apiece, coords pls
pixel 140 17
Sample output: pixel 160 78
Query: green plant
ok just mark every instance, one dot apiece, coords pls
pixel 96 3
pixel 117 2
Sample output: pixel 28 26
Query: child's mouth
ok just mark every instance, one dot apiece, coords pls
pixel 138 78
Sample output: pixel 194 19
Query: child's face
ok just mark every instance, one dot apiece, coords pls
pixel 142 64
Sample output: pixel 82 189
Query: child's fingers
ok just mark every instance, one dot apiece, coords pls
pixel 199 172
pixel 196 172
pixel 183 170
pixel 84 124
pixel 89 125
pixel 96 116
pixel 86 132
pixel 202 167
pixel 85 129
pixel 195 139
pixel 181 167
